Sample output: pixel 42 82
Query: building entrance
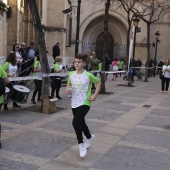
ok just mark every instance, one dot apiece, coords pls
pixel 100 44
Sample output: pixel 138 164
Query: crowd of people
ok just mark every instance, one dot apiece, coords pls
pixel 21 62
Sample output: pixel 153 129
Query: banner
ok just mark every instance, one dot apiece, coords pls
pixel 131 44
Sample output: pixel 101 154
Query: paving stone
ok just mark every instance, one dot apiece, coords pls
pixel 38 144
pixel 155 122
pixel 108 106
pixel 54 165
pixel 161 112
pixel 72 156
pixel 137 96
pixel 166 104
pixel 6 164
pixel 146 91
pixel 65 124
pixel 5 129
pixel 168 98
pixel 126 158
pixel 120 100
pixel 114 131
pixel 21 117
pixel 149 137
pixel 103 115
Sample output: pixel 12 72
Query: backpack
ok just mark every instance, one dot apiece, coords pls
pixel 52 70
pixel 2 87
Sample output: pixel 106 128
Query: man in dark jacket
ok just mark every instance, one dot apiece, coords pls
pixel 94 65
pixel 31 55
pixel 56 50
pixel 107 65
pixel 24 56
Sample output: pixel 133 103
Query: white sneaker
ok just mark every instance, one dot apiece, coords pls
pixel 162 91
pixel 89 141
pixel 83 150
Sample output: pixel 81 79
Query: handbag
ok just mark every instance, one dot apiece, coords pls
pixel 161 76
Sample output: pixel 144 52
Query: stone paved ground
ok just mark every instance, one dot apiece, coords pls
pixel 128 135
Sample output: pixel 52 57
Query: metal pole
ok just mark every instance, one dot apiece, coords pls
pixel 134 44
pixel 133 61
pixel 78 27
pixel 156 48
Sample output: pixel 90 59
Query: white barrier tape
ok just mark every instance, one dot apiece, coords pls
pixel 59 74
pixel 108 72
pixel 64 74
pixel 23 78
pixel 94 71
pixel 147 67
pixel 37 77
pixel 46 75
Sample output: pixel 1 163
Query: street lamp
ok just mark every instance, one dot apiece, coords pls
pixel 78 27
pixel 157 34
pixel 78 22
pixel 135 23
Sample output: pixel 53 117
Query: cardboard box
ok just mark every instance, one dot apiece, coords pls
pixel 49 105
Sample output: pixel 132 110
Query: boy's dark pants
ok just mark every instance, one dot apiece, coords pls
pixel 79 123
pixel 0 126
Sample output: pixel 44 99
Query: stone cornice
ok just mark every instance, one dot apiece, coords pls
pixel 51 29
pixel 3 6
pixel 161 23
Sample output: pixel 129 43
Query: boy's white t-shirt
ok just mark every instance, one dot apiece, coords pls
pixel 81 88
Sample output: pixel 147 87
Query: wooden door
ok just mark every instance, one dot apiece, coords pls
pixel 99 46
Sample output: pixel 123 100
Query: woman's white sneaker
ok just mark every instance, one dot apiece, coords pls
pixel 83 150
pixel 89 141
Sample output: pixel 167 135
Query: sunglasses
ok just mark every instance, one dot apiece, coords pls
pixel 22 45
pixel 16 47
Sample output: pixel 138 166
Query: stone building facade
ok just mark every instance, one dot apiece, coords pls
pixel 3 28
pixel 18 27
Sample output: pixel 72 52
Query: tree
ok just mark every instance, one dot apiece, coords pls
pixel 107 6
pixel 42 48
pixel 128 5
pixel 149 12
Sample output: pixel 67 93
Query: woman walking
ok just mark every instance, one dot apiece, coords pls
pixel 56 82
pixel 18 56
pixel 115 64
pixel 121 65
pixel 38 81
pixel 166 76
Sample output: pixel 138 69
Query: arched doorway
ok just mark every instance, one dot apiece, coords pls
pixel 100 44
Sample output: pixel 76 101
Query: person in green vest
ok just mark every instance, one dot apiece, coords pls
pixel 11 69
pixel 120 66
pixel 38 81
pixel 3 75
pixel 56 82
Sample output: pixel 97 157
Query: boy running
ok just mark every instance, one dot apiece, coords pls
pixel 81 81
